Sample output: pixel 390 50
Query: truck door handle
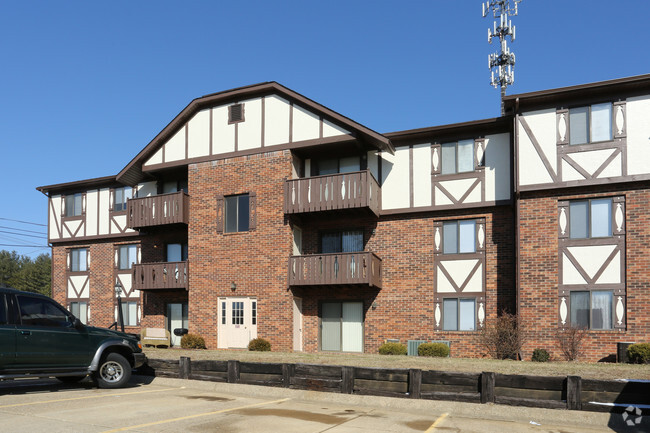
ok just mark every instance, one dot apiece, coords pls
pixel 26 332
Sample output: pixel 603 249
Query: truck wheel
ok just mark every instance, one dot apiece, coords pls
pixel 114 371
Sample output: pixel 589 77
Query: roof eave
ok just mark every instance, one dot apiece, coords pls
pixel 132 173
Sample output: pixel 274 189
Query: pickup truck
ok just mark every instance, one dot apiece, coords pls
pixel 40 338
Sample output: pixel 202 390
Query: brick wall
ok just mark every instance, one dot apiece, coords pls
pixel 538 270
pixel 404 306
pixel 256 261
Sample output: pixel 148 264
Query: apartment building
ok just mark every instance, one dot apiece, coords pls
pixel 257 212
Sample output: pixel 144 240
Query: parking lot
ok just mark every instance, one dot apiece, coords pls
pixel 171 405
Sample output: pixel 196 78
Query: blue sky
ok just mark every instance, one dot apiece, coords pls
pixel 86 85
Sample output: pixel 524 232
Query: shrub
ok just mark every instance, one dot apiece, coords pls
pixel 639 353
pixel 540 355
pixel 440 350
pixel 503 337
pixel 392 349
pixel 259 345
pixel 570 341
pixel 192 341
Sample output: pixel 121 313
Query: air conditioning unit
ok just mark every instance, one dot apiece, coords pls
pixel 412 347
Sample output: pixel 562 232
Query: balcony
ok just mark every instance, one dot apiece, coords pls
pixel 362 268
pixel 356 190
pixel 160 276
pixel 158 210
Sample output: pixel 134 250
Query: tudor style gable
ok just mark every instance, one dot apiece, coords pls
pixel 584 135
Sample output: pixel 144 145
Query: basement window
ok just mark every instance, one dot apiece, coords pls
pixel 236 113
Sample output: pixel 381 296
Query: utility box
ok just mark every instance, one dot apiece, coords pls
pixel 621 351
pixel 412 347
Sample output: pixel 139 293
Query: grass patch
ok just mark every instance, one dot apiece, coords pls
pixel 585 370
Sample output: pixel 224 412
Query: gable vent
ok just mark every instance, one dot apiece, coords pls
pixel 236 113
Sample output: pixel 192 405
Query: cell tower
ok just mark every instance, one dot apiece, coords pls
pixel 501 64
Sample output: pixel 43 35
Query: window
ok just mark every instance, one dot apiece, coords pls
pixel 3 311
pixel 237 210
pixel 457 157
pixel 79 260
pixel 592 310
pixel 337 165
pixel 79 310
pixel 127 256
pixel 42 312
pixel 254 312
pixel 176 252
pixel 174 186
pixel 236 113
pixel 590 124
pixel 459 314
pixel 223 312
pixel 590 218
pixel 349 241
pixel 459 237
pixel 73 205
pixel 121 196
pixel 130 313
pixel 238 313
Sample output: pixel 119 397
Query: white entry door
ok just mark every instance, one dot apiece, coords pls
pixel 237 322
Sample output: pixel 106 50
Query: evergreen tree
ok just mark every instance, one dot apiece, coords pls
pixel 23 273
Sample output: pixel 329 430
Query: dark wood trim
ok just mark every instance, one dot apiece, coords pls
pixel 187 139
pixel 411 192
pixel 220 214
pixel 93 237
pixel 585 182
pixel 339 139
pixel 263 121
pixel 386 212
pixel 56 221
pixel 211 132
pixel 538 148
pixel 290 122
pixel 573 164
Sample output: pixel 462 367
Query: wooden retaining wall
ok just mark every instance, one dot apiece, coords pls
pixel 553 392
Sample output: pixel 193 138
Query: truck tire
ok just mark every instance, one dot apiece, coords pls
pixel 114 371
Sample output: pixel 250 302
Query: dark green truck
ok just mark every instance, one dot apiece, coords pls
pixel 40 338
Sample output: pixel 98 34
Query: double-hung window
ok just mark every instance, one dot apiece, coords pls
pixel 79 260
pixel 80 310
pixel 121 196
pixel 237 213
pixel 457 157
pixel 592 309
pixel 73 204
pixel 459 237
pixel 459 314
pixel 127 256
pixel 590 218
pixel 130 313
pixel 590 124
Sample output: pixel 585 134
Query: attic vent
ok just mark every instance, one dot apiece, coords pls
pixel 236 113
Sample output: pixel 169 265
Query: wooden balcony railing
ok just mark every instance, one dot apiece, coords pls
pixel 166 275
pixel 337 268
pixel 354 190
pixel 157 210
